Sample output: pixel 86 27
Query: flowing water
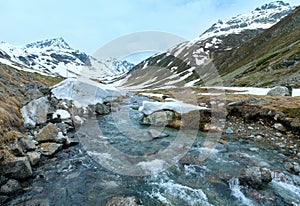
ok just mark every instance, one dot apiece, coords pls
pixel 117 158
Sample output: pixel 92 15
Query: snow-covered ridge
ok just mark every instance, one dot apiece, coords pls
pixel 56 58
pixel 56 42
pixel 261 18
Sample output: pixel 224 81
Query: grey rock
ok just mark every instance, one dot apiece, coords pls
pixel 237 103
pixel 293 167
pixel 122 201
pixel 279 91
pixel 34 157
pixel 135 107
pixel 253 149
pixel 60 138
pixel 28 144
pixel 159 118
pixel 229 131
pixel 49 149
pixel 3 199
pixel 255 177
pixel 101 109
pixel 35 112
pixel 255 101
pixel 48 133
pixel 297 168
pixel 17 167
pixel 157 134
pixel 64 127
pixel 15 148
pixel 2 180
pixel 264 164
pixel 10 187
pixel 279 127
pixel 71 141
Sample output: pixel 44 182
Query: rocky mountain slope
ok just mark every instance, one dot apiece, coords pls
pixel 203 59
pixel 56 58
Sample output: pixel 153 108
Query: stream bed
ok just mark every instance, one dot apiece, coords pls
pixel 116 157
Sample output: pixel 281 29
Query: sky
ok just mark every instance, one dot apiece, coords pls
pixel 89 24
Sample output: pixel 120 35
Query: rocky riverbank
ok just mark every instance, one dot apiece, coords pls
pixel 47 146
pixel 48 127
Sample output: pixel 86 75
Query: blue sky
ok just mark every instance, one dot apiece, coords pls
pixel 87 25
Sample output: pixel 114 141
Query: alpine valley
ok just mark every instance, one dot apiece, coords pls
pixel 211 121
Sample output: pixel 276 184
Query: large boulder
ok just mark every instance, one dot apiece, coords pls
pixel 15 167
pixel 159 118
pixel 48 133
pixel 35 112
pixel 279 91
pixel 255 177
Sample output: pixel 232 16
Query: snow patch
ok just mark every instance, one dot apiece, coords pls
pixel 174 105
pixel 85 93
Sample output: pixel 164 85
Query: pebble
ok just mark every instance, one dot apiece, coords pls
pixel 251 136
pixel 229 130
pixel 250 128
pixel 258 137
pixel 253 149
pixel 264 164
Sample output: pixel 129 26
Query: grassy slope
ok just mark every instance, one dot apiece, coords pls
pixel 261 61
pixel 12 95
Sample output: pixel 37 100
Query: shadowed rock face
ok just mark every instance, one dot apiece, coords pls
pixel 255 177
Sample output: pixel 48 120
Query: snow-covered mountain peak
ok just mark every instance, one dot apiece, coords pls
pixel 56 58
pixel 261 18
pixel 59 43
pixel 273 5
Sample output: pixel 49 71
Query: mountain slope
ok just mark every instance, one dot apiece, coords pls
pixel 195 62
pixel 56 58
pixel 270 58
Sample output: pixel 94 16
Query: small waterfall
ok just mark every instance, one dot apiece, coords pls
pixel 234 185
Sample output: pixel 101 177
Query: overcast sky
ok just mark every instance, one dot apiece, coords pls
pixel 87 25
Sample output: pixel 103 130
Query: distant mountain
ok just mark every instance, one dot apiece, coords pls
pixel 56 58
pixel 195 62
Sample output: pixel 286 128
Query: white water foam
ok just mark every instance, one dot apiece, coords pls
pixel 153 166
pixel 170 193
pixel 191 170
pixel 287 190
pixel 235 188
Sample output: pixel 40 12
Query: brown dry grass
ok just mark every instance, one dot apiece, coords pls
pixel 12 94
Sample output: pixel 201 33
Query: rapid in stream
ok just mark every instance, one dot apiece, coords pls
pixel 75 177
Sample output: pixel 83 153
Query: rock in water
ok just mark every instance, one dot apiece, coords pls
pixel 229 130
pixel 279 127
pixel 159 118
pixel 279 91
pixel 122 201
pixel 255 177
pixel 157 134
